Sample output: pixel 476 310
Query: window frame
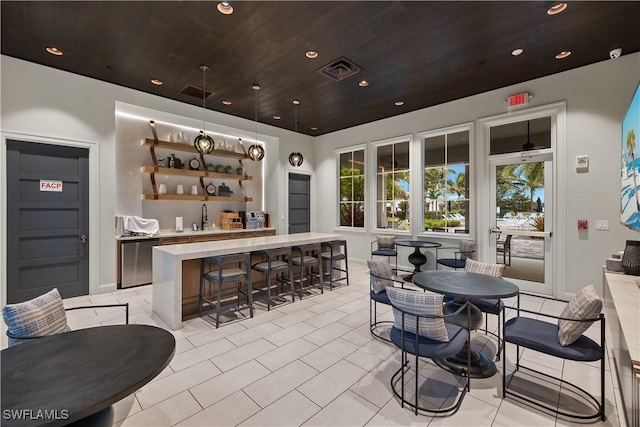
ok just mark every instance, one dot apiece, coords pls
pixel 470 197
pixel 373 161
pixel 337 153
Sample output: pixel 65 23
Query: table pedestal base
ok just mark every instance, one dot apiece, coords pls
pixel 481 365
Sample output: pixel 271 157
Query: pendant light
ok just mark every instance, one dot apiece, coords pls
pixel 256 152
pixel 295 158
pixel 527 145
pixel 203 142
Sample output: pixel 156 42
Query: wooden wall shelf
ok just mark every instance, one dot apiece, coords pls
pixel 191 149
pixel 154 169
pixel 200 198
pixel 194 173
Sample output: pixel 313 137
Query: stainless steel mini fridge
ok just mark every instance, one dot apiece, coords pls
pixel 136 264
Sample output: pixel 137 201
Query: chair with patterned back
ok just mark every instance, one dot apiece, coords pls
pixel 381 277
pixel 493 306
pixel 42 316
pixel 466 249
pixel 385 246
pixel 562 337
pixel 419 329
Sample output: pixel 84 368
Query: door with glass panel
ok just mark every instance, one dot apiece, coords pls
pixel 521 203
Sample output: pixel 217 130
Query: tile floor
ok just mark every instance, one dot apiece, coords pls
pixel 313 363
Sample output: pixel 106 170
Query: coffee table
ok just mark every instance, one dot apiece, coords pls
pixel 67 377
pixel 463 286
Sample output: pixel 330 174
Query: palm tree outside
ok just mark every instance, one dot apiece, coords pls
pixel 631 148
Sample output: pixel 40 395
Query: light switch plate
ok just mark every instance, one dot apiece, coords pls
pixel 602 224
pixel 582 163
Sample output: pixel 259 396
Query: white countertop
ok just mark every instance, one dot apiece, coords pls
pixel 234 246
pixel 168 263
pixel 625 291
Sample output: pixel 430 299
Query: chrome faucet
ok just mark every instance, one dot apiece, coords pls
pixel 204 216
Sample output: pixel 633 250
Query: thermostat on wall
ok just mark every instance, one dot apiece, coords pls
pixel 582 163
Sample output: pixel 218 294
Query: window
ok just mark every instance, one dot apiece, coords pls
pixel 392 185
pixel 446 180
pixel 351 203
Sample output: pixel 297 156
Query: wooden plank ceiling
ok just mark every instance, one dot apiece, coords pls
pixel 422 53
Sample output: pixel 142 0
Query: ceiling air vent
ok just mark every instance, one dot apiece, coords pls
pixel 340 69
pixel 196 92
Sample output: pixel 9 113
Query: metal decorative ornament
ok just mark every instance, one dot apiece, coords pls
pixel 295 159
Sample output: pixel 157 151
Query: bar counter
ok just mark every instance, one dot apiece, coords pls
pixel 168 261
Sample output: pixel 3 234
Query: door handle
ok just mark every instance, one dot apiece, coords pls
pixel 83 239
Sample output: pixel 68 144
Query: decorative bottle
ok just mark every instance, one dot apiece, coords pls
pixel 631 258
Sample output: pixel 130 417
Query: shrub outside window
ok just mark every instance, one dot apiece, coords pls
pixel 392 186
pixel 351 203
pixel 446 181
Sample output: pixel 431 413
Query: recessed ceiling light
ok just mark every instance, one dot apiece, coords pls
pixel 363 83
pixel 563 54
pixel 225 8
pixel 157 82
pixel 517 52
pixel 276 117
pixel 226 102
pixel 314 127
pixel 55 51
pixel 398 103
pixel 311 54
pixel 557 8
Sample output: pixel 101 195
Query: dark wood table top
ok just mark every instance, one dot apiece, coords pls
pixel 465 285
pixel 418 243
pixel 79 373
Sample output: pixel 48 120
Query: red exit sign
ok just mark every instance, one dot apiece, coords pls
pixel 518 99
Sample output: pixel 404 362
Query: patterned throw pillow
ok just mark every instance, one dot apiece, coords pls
pixel 381 268
pixel 40 316
pixel 494 270
pixel 422 304
pixel 386 242
pixel 585 305
pixel 467 249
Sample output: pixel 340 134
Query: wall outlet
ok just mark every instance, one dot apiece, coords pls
pixel 602 224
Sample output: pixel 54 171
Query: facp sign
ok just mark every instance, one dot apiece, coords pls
pixel 46 185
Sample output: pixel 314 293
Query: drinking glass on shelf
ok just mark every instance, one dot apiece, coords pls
pixel 180 189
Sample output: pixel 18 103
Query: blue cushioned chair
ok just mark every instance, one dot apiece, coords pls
pixel 385 246
pixel 379 297
pixel 467 249
pixel 409 335
pixel 493 306
pixel 542 336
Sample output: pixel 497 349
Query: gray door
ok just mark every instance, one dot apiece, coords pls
pixel 299 199
pixel 47 231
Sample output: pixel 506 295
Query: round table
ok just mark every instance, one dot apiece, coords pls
pixel 417 258
pixel 79 373
pixel 464 286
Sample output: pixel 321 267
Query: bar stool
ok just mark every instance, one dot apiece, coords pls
pixel 333 252
pixel 217 275
pixel 309 257
pixel 278 262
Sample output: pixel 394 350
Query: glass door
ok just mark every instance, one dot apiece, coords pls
pixel 522 215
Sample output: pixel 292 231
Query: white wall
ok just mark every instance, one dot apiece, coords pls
pixel 41 103
pixel 596 96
